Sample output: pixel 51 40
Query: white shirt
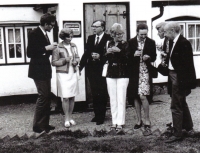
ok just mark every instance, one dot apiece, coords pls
pixel 100 36
pixel 44 32
pixel 174 43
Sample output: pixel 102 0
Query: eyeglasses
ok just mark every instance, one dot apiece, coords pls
pixel 95 26
pixel 119 34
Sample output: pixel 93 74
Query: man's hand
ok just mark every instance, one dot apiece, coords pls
pixel 138 53
pixel 95 56
pixel 51 47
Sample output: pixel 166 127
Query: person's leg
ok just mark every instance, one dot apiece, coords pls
pixel 145 105
pixel 112 91
pixel 122 84
pixel 71 107
pixel 65 106
pixel 137 103
pixel 42 110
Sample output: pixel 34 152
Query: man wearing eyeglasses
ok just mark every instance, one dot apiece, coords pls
pixel 92 59
pixel 39 50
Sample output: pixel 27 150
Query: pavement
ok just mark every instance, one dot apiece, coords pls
pixel 16 120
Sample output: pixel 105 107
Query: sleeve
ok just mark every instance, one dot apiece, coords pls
pixel 152 50
pixel 35 48
pixel 56 60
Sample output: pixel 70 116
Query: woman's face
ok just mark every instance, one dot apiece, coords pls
pixel 68 39
pixel 118 36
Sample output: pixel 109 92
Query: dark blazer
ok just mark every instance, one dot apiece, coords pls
pixel 86 60
pixel 149 49
pixel 118 61
pixel 39 67
pixel 183 64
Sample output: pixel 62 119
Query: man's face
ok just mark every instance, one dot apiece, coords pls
pixel 48 27
pixel 97 28
pixel 142 34
pixel 161 33
pixel 169 33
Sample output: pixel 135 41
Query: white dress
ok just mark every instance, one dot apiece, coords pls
pixel 68 82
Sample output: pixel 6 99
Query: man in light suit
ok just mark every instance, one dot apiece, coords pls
pixel 182 77
pixel 39 50
pixel 92 59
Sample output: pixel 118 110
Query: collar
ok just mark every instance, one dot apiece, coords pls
pixel 100 36
pixel 62 45
pixel 140 40
pixel 176 38
pixel 44 32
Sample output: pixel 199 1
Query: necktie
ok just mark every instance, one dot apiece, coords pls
pixel 97 42
pixel 167 46
pixel 47 38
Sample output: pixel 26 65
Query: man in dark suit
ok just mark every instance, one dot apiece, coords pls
pixel 92 59
pixel 182 77
pixel 39 50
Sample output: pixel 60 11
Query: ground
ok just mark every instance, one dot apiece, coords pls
pixel 16 124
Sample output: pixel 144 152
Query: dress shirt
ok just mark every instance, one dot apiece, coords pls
pixel 174 43
pixel 100 36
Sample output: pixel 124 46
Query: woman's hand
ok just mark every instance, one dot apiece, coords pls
pixel 68 59
pixel 116 49
pixel 146 57
pixel 74 63
pixel 109 50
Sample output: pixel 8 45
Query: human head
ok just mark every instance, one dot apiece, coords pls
pixel 117 32
pixel 142 30
pixel 66 34
pixel 160 28
pixel 171 30
pixel 98 26
pixel 47 21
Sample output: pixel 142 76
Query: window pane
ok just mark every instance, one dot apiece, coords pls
pixel 181 29
pixel 0 36
pixel 17 36
pixel 197 30
pixel 191 31
pixel 1 54
pixel 10 36
pixel 11 51
pixel 198 45
pixel 192 43
pixel 18 51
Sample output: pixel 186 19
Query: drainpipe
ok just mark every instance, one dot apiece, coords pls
pixel 156 17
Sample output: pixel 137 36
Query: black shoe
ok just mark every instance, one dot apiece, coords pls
pixel 94 120
pixel 138 126
pixel 39 130
pixel 99 122
pixel 173 139
pixel 50 127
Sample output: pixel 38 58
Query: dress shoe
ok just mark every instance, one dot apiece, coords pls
pixel 72 122
pixel 39 130
pixel 173 139
pixel 50 127
pixel 94 120
pixel 99 122
pixel 67 124
pixel 138 126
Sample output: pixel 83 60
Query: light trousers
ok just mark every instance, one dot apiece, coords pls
pixel 117 88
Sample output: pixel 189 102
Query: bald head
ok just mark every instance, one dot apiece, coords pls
pixel 160 28
pixel 171 30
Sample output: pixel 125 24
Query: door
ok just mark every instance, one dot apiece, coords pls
pixel 109 12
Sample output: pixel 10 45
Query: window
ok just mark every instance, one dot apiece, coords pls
pixel 193 35
pixel 13 44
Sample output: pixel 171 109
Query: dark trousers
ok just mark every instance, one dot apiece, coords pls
pixel 99 95
pixel 42 110
pixel 181 116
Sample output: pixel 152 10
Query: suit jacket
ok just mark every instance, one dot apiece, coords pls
pixel 149 49
pixel 183 64
pixel 39 66
pixel 87 61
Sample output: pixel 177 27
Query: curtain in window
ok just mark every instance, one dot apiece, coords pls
pixel 198 37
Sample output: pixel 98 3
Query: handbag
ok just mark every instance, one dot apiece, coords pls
pixel 105 69
pixel 163 70
pixel 153 71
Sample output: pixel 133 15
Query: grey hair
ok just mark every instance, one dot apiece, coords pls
pixel 160 25
pixel 116 27
pixel 173 25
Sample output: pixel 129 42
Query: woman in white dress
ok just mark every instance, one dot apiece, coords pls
pixel 66 59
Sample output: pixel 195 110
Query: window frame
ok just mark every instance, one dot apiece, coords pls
pixel 3 60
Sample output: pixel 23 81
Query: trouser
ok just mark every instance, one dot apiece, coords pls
pixel 117 91
pixel 42 110
pixel 99 95
pixel 181 116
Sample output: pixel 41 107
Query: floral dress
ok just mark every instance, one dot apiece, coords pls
pixel 144 84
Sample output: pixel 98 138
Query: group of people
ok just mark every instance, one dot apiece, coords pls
pixel 114 67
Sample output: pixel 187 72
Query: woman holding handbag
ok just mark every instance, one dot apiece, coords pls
pixel 117 76
pixel 66 59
